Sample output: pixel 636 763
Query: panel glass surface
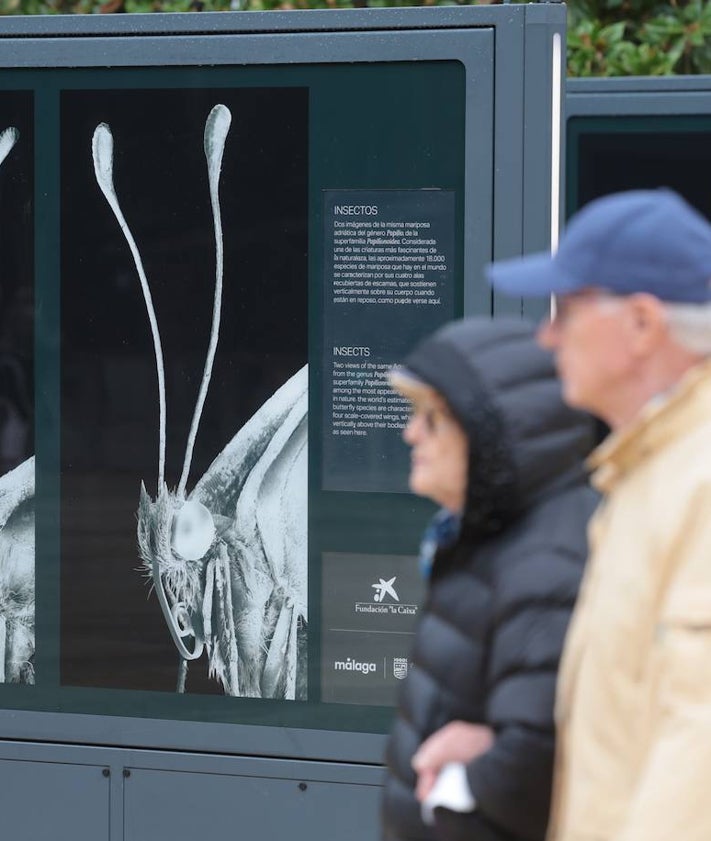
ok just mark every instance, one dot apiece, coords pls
pixel 607 154
pixel 223 527
pixel 17 463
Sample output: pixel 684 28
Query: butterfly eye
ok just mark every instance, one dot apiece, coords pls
pixel 193 531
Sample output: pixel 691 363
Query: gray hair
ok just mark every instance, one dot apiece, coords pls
pixel 690 326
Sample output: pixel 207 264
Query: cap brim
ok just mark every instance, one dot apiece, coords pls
pixel 533 276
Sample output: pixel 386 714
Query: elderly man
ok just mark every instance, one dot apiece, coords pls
pixel 631 333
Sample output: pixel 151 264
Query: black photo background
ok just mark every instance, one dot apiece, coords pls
pixel 112 631
pixel 16 284
pixel 17 446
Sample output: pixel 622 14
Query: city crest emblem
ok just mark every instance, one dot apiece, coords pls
pixel 400 667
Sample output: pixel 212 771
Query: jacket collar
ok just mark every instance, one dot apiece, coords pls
pixel 659 422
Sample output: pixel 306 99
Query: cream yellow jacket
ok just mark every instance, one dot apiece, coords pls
pixel 634 693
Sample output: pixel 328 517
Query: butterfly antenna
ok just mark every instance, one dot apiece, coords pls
pixel 217 126
pixel 102 147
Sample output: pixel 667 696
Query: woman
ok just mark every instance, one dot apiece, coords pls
pixel 495 446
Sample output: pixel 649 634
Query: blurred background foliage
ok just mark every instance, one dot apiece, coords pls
pixel 638 37
pixel 605 37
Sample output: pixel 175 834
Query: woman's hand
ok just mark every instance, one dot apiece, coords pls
pixel 458 741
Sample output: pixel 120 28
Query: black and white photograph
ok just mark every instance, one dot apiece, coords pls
pixel 17 463
pixel 184 390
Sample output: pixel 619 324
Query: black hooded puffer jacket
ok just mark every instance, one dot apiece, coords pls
pixel 490 634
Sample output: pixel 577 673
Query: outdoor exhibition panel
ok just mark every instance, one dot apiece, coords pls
pixel 219 232
pixel 638 133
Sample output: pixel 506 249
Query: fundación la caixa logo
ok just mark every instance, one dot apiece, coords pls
pixel 386 600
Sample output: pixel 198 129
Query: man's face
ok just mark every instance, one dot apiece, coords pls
pixel 439 461
pixel 590 336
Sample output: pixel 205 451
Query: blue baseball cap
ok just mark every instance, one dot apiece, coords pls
pixel 638 241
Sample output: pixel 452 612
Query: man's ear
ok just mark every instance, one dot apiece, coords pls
pixel 648 323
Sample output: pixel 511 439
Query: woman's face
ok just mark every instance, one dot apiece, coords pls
pixel 439 460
